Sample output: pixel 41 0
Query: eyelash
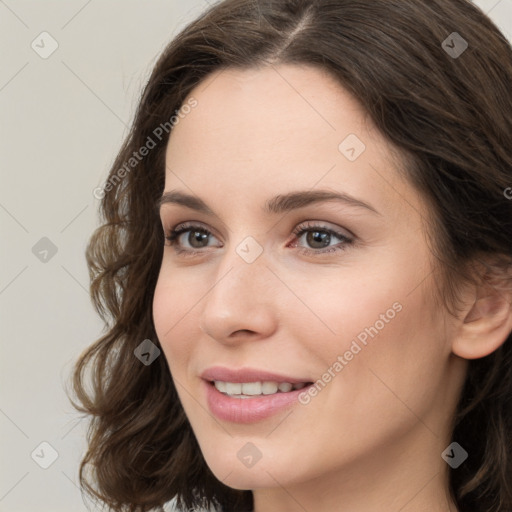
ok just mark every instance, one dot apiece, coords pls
pixel 300 230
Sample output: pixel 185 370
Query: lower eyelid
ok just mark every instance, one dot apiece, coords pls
pixel 343 245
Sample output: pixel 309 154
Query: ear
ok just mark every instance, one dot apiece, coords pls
pixel 486 322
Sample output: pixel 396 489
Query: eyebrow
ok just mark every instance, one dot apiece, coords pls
pixel 279 204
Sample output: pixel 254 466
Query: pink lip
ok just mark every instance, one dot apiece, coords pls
pixel 247 375
pixel 247 410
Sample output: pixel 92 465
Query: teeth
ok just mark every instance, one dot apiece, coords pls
pixel 248 389
pixel 251 388
pixel 221 386
pixel 233 388
pixel 269 388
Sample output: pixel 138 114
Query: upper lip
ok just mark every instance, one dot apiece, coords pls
pixel 246 375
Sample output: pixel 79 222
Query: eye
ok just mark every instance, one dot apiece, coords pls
pixel 187 238
pixel 318 239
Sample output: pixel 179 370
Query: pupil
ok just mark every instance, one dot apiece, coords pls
pixel 196 237
pixel 318 237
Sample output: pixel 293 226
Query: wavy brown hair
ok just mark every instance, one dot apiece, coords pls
pixel 450 117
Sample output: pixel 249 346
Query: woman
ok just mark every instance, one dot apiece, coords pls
pixel 305 267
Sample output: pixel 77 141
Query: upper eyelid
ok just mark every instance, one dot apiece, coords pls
pixel 182 207
pixel 189 225
pixel 325 226
pixel 172 226
pixel 299 229
pixel 303 224
pixel 161 212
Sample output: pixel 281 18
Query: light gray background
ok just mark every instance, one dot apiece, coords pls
pixel 62 121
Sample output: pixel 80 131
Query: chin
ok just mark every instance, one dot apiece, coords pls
pixel 245 479
pixel 230 468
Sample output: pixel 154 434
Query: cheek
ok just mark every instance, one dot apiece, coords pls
pixel 172 311
pixel 399 361
pixel 163 302
pixel 346 305
pixel 164 308
pixel 385 333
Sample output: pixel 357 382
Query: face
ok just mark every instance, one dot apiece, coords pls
pixel 301 262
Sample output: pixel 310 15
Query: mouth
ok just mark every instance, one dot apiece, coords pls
pixel 256 389
pixel 247 395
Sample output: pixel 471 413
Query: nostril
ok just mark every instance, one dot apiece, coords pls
pixel 243 331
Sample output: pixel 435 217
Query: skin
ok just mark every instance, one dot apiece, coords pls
pixel 372 438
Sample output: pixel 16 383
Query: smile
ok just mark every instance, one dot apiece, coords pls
pixel 251 389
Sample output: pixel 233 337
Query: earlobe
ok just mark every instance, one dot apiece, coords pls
pixel 486 326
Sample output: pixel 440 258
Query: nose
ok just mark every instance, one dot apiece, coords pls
pixel 241 304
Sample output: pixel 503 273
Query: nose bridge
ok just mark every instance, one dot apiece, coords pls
pixel 244 266
pixel 240 297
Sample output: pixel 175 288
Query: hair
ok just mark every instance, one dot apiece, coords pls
pixel 450 119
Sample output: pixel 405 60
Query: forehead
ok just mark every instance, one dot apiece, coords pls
pixel 275 109
pixel 271 129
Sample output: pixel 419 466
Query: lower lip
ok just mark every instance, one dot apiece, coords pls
pixel 248 410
